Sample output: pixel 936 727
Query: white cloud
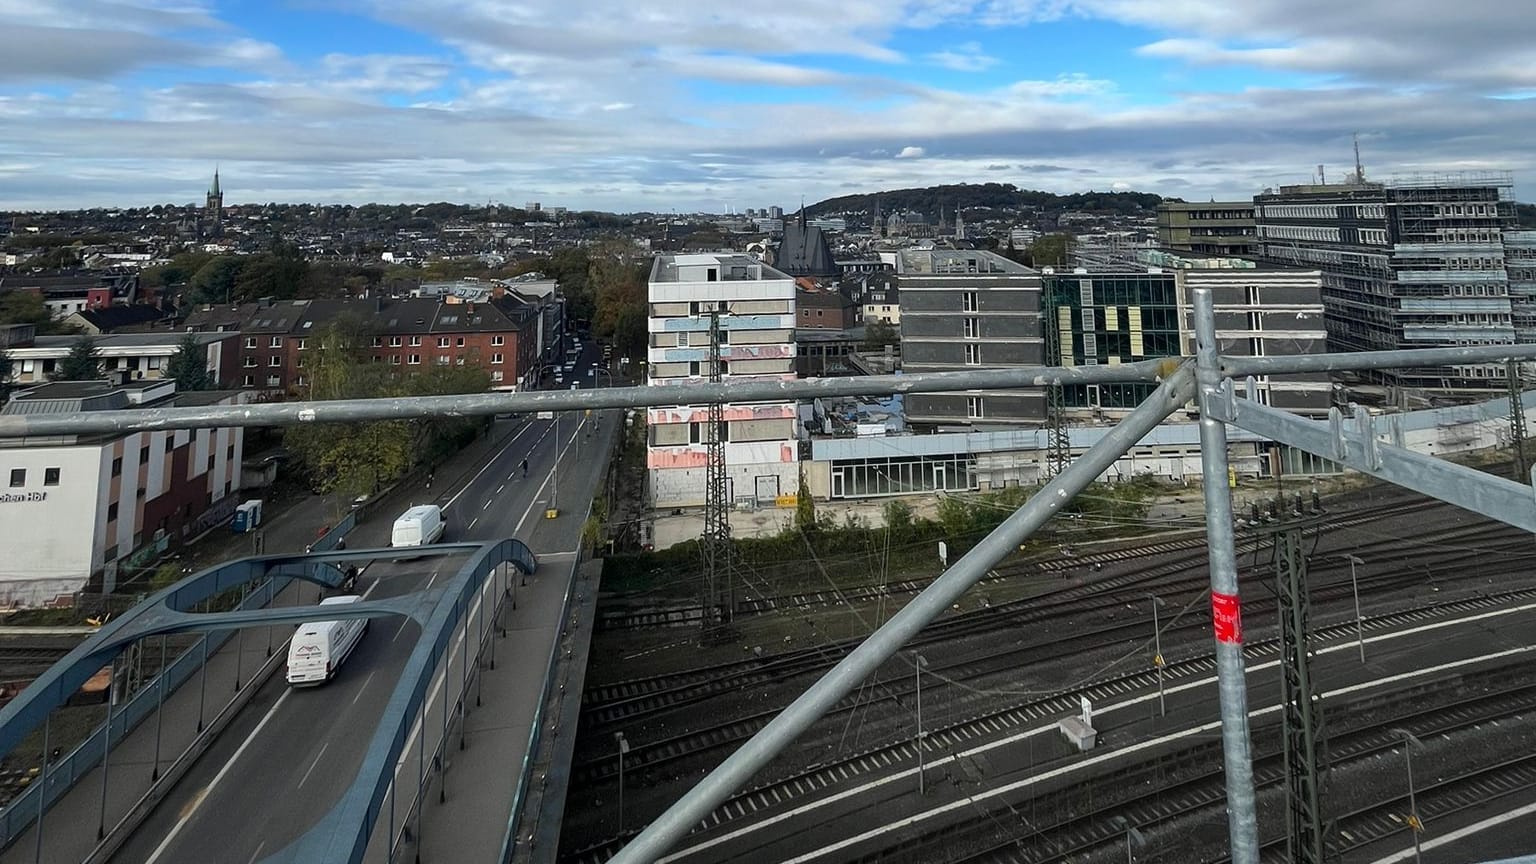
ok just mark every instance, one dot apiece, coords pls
pixel 911 153
pixel 966 57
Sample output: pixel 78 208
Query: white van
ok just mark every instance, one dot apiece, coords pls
pixel 418 526
pixel 319 648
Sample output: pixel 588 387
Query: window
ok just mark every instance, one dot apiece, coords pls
pixel 250 362
pixel 414 360
pixel 248 381
pixel 442 359
pixel 459 361
pixel 973 355
pixel 394 341
pixel 275 360
pixel 496 376
pixel 229 452
pixel 378 341
pixel 682 339
pixel 117 467
pixel 250 341
pixel 50 476
pixel 459 342
pixel 144 454
pixel 277 342
pixel 442 341
pixel 972 328
pixel 303 344
pixel 112 512
pixel 394 359
pixel 973 407
pixel 497 341
pixel 968 301
pixel 18 478
pixel 496 358
pixel 274 381
pixel 415 341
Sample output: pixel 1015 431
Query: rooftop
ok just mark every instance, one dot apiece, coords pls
pixel 957 262
pixel 728 267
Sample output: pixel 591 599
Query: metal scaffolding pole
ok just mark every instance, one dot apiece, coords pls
pixel 881 645
pixel 1517 424
pixel 1226 614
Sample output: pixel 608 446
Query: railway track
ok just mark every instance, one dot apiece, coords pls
pixel 638 699
pixel 1143 797
pixel 960 735
pixel 690 615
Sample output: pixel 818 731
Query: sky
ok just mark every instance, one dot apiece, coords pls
pixel 702 105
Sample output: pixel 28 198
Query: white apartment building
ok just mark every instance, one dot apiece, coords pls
pixel 756 307
pixel 75 506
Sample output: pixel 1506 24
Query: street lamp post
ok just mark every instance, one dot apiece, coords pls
pixel 1414 823
pixel 1354 585
pixel 919 661
pixel 623 748
pixel 1157 656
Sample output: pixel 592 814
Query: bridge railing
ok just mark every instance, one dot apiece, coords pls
pixel 63 774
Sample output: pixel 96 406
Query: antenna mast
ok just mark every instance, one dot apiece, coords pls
pixel 1359 166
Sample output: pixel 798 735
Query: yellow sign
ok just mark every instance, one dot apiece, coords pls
pixel 786 501
pixel 1231 477
pixel 1157 660
pixel 551 513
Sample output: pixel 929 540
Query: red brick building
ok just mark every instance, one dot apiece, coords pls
pixel 498 335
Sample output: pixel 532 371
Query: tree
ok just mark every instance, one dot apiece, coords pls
pixel 1049 250
pixel 25 307
pixel 878 334
pixel 6 368
pixel 805 506
pixel 82 363
pixel 214 282
pixel 188 367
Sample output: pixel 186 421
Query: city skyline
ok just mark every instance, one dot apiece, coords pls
pixel 616 107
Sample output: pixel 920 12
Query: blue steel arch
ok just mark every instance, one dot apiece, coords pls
pixel 163 613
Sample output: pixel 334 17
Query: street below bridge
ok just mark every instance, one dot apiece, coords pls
pixel 287 756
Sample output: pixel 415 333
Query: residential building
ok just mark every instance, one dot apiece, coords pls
pixel 143 356
pixel 137 317
pixel 818 308
pixel 1413 263
pixel 83 507
pixel 499 335
pixel 1219 228
pixel 964 309
pixel 755 307
pixel 881 301
pixel 67 293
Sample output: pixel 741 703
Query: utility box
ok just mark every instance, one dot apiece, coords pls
pixel 247 516
pixel 1081 735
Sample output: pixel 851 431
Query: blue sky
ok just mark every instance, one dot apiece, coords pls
pixel 607 103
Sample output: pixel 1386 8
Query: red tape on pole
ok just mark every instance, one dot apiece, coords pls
pixel 1227 618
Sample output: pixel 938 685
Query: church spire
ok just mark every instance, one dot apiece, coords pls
pixel 215 189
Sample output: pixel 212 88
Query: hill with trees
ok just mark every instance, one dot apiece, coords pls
pixel 989 196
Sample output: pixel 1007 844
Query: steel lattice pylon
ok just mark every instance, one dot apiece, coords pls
pixel 1303 719
pixel 1058 444
pixel 715 543
pixel 1517 423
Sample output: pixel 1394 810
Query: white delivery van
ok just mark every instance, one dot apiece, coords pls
pixel 418 526
pixel 319 648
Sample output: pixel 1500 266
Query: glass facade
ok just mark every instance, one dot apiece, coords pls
pixel 1103 318
pixel 900 475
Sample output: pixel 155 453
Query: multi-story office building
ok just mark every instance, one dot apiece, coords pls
pixel 78 506
pixel 962 309
pixel 755 305
pixel 1520 264
pixel 1108 318
pixel 142 356
pixel 1209 228
pixel 1414 263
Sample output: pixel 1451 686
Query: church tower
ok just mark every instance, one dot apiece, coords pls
pixel 213 209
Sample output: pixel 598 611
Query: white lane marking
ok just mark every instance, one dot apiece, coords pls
pixel 487 504
pixel 433 579
pixel 969 800
pixel 1461 833
pixel 499 488
pixel 257 854
pixel 472 522
pixel 364 689
pixel 488 463
pixel 1021 736
pixel 538 493
pixel 313 764
pixel 223 772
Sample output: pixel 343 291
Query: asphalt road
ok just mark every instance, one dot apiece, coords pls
pixel 878 814
pixel 290 754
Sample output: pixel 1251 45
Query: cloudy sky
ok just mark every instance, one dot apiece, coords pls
pixel 703 104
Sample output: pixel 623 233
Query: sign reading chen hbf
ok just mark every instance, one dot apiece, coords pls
pixel 22 497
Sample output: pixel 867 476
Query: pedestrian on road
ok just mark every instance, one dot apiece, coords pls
pixel 525 467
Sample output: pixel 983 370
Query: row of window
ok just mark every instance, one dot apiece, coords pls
pixel 378 341
pixel 19 477
pixel 1299 232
